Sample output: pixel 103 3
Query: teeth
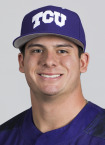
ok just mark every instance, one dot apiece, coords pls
pixel 50 76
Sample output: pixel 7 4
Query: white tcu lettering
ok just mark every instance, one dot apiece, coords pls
pixel 36 19
pixel 44 18
pixel 48 17
pixel 57 16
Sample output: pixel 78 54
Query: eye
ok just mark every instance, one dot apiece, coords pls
pixel 62 51
pixel 37 51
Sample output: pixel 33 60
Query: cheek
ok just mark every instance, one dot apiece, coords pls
pixel 67 62
pixel 29 64
pixel 71 64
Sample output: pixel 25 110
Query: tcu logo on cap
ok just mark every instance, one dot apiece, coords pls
pixel 48 17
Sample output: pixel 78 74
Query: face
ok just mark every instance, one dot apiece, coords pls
pixel 52 66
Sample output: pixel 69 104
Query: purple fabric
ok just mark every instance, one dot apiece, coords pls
pixel 87 128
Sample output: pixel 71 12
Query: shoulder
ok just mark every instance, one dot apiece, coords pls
pixel 97 126
pixel 14 122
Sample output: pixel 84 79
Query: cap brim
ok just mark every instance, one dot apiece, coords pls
pixel 20 41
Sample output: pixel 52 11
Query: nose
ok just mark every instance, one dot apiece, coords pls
pixel 49 59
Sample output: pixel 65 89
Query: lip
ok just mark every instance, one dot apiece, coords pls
pixel 50 74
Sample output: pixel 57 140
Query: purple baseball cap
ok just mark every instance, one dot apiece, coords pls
pixel 51 20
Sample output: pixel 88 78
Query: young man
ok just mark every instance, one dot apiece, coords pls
pixel 52 45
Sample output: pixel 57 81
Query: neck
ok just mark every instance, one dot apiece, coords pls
pixel 51 115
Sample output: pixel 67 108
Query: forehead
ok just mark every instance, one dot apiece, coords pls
pixel 51 39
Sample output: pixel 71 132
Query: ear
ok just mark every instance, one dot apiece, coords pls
pixel 84 61
pixel 21 62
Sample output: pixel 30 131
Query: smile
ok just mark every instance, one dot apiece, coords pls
pixel 50 76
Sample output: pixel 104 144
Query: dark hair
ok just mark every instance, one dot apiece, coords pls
pixel 80 50
pixel 22 49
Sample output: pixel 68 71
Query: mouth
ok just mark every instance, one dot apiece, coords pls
pixel 50 75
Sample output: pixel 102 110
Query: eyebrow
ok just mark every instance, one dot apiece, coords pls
pixel 56 46
pixel 64 45
pixel 36 45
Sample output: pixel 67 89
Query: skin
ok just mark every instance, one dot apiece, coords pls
pixel 55 101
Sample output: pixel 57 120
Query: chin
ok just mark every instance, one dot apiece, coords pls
pixel 50 92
